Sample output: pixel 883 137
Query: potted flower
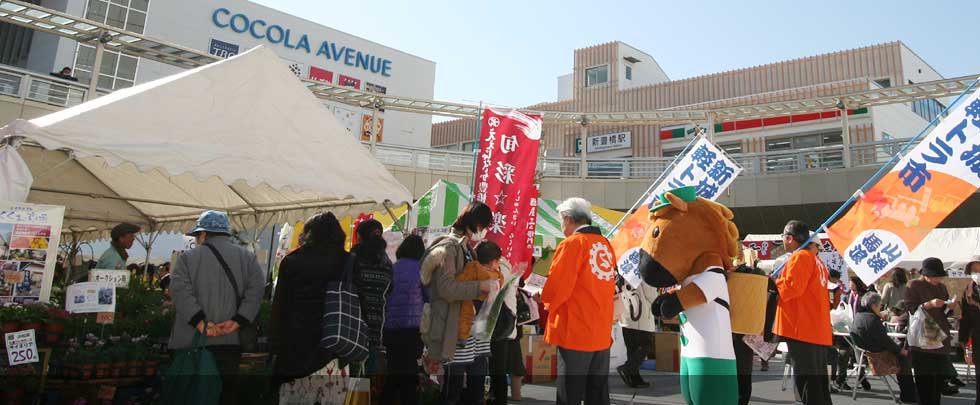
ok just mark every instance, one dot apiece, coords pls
pixel 54 324
pixel 33 315
pixel 11 313
pixel 102 356
pixel 116 356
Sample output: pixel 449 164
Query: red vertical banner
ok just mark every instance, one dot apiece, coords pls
pixel 504 180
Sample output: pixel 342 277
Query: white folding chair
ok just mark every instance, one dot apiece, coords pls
pixel 862 372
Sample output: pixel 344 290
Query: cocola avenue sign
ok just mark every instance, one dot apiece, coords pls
pixel 279 35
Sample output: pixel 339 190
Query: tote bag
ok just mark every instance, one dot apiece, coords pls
pixel 193 376
pixel 344 333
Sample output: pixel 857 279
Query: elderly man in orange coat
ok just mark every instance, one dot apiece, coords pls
pixel 579 296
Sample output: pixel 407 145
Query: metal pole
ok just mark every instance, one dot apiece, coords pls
pixel 711 127
pixel 583 149
pixel 475 152
pixel 96 67
pixel 374 124
pixel 845 134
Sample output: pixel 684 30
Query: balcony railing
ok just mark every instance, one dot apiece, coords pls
pixel 754 164
pixel 41 88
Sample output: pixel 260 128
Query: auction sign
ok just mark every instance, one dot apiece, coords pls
pixel 706 167
pixel 927 184
pixel 504 181
pixel 29 237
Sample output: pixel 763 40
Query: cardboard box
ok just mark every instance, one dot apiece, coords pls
pixel 540 359
pixel 747 295
pixel 668 346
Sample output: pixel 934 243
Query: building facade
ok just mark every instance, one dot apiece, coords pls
pixel 225 28
pixel 615 77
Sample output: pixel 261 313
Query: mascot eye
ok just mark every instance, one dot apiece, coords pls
pixel 656 232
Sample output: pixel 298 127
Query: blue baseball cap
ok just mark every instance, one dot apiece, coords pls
pixel 212 222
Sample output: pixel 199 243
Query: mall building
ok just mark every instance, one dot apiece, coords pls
pixel 225 28
pixel 616 77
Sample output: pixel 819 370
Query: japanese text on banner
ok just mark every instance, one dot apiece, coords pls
pixel 704 167
pixel 927 184
pixel 506 164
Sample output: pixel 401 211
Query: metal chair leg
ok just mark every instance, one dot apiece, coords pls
pixel 857 373
pixel 884 378
pixel 787 369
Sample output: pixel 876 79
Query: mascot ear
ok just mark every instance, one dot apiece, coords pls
pixel 733 239
pixel 676 202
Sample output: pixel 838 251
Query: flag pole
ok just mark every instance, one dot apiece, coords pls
pixel 654 184
pixel 882 171
pixel 476 148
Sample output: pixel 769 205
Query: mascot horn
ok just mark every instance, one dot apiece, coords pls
pixel 691 242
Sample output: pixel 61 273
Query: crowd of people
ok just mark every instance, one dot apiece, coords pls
pixel 420 311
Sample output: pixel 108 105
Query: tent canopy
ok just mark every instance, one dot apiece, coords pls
pixel 242 135
pixel 439 207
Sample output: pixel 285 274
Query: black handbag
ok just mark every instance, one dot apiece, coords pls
pixel 248 335
pixel 343 331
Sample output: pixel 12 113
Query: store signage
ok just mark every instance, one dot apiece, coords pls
pixel 277 34
pixel 222 49
pixel 351 82
pixel 118 277
pixel 604 142
pixel 321 75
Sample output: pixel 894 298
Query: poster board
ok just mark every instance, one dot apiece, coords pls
pixel 84 298
pixel 29 238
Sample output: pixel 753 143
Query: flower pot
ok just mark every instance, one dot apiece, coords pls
pixel 118 369
pixel 11 326
pixel 150 368
pixel 85 371
pixel 134 368
pixel 103 370
pixel 54 327
pixel 31 325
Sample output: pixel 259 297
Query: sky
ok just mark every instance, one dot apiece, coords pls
pixel 510 53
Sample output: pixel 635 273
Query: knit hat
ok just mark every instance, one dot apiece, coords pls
pixel 933 267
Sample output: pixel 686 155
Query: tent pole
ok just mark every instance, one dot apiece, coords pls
pixel 93 82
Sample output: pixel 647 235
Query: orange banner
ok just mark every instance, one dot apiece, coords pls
pixel 889 220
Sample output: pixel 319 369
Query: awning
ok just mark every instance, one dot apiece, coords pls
pixel 242 135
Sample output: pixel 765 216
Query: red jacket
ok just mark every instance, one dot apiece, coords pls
pixel 580 291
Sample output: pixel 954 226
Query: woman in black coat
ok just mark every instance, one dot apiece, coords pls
pixel 297 307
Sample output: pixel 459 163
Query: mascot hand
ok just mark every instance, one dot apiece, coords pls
pixel 666 306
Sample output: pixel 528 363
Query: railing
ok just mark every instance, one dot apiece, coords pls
pixel 754 164
pixel 41 88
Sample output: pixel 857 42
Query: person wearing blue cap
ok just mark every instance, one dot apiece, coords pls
pixel 217 288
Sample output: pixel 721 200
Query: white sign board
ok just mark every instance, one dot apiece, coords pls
pixel 29 238
pixel 604 142
pixel 534 283
pixel 21 347
pixel 120 278
pixel 91 297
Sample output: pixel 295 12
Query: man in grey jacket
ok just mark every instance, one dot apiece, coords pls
pixel 205 298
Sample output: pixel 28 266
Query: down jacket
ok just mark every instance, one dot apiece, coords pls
pixel 445 258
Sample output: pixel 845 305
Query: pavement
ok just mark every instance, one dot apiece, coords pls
pixel 766 389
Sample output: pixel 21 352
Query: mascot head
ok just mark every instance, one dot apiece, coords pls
pixel 688 235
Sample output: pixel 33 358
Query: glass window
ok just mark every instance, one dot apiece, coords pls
pixel 809 141
pixel 732 148
pixel 141 5
pixel 122 84
pixel 629 72
pixel 116 16
pixel 86 57
pixel 127 68
pixel 105 82
pixel 136 21
pixel 124 3
pixel 672 153
pixel 109 60
pixel 597 75
pixel 834 138
pixel 779 144
pixel 884 83
pixel 96 10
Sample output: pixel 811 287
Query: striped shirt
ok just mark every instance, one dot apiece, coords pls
pixel 470 350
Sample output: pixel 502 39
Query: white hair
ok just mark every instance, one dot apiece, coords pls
pixel 578 209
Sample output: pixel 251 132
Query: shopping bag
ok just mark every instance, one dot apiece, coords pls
pixel 842 318
pixel 617 352
pixel 358 391
pixel 193 376
pixel 883 363
pixel 344 333
pixel 924 332
pixel 486 318
pixel 760 346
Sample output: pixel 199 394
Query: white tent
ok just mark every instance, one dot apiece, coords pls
pixel 242 135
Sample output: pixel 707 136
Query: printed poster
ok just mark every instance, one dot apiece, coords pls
pixel 927 184
pixel 508 158
pixel 29 238
pixel 706 167
pixel 92 296
pixel 379 126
